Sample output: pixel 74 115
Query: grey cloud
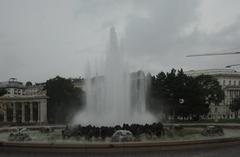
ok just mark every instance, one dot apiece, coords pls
pixel 161 31
pixel 42 39
pixel 158 41
pixel 228 36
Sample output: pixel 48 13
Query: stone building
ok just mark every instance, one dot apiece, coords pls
pixel 78 83
pixel 22 104
pixel 229 79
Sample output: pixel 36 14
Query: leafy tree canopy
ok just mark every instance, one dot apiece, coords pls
pixel 2 92
pixel 235 105
pixel 64 99
pixel 184 95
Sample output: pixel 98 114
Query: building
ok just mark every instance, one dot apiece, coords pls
pixel 23 104
pixel 229 79
pixel 78 82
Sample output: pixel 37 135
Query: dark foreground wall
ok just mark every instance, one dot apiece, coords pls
pixel 230 150
pixel 210 148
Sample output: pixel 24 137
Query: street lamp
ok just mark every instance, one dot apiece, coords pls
pixel 181 101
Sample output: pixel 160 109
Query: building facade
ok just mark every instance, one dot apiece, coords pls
pixel 22 104
pixel 229 79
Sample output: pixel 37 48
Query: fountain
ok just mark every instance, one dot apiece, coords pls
pixel 117 97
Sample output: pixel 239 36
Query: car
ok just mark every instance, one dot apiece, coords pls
pixel 122 136
pixel 46 129
pixel 19 136
pixel 70 131
pixel 213 130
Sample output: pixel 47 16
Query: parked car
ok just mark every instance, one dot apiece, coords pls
pixel 213 130
pixel 122 136
pixel 70 131
pixel 46 129
pixel 19 136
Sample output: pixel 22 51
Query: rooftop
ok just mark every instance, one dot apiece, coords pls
pixel 11 83
pixel 215 72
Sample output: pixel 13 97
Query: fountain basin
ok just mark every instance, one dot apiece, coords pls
pixel 231 137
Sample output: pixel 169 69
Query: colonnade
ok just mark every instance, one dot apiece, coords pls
pixel 10 107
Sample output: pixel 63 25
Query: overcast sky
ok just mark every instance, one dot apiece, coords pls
pixel 40 39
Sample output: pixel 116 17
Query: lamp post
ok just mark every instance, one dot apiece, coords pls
pixel 181 101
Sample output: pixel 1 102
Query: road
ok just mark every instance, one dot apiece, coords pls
pixel 232 150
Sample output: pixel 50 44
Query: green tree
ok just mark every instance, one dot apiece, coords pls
pixel 164 92
pixel 2 92
pixel 28 84
pixel 64 99
pixel 183 95
pixel 157 97
pixel 235 106
pixel 202 91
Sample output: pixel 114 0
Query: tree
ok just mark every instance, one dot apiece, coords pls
pixel 158 94
pixel 205 90
pixel 2 92
pixel 29 83
pixel 164 92
pixel 183 95
pixel 210 88
pixel 64 99
pixel 235 106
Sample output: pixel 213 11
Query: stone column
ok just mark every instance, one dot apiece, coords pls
pixel 14 113
pixel 39 112
pixel 5 116
pixel 5 113
pixel 43 111
pixel 23 112
pixel 31 112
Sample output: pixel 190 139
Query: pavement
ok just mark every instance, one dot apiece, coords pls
pixel 232 150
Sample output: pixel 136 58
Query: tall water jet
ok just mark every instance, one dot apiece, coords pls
pixel 117 97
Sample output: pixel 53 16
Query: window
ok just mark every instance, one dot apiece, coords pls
pixel 230 82
pixel 234 83
pixel 224 82
pixel 15 91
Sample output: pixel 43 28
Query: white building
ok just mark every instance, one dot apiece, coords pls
pixel 22 104
pixel 229 79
